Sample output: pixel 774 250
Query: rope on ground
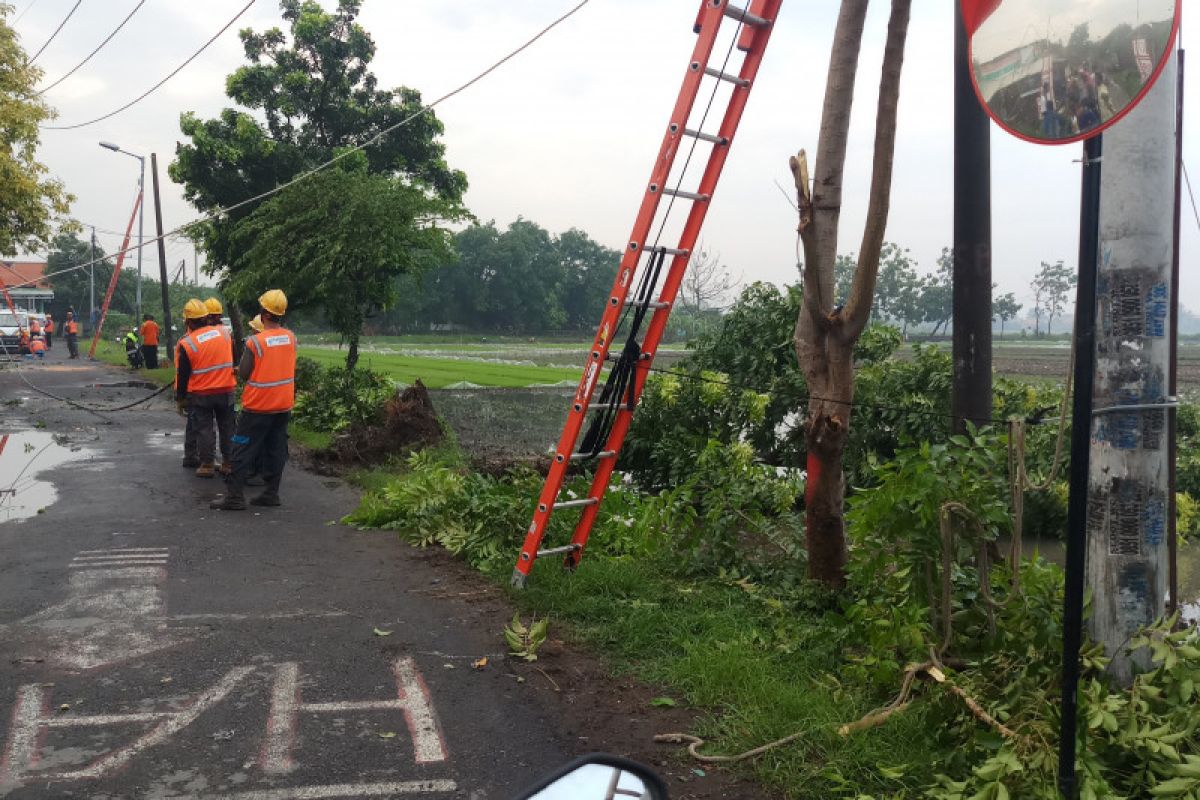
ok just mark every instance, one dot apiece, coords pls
pixel 695 742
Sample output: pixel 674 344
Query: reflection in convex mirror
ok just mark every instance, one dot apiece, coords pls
pixel 595 782
pixel 1057 71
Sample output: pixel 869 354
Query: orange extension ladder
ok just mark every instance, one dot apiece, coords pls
pixel 641 269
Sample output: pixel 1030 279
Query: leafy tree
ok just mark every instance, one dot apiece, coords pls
pixel 31 204
pixel 937 293
pixel 315 92
pixel 897 292
pixel 1005 308
pixel 1051 287
pixel 339 241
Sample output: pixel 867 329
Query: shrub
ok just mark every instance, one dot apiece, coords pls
pixel 332 399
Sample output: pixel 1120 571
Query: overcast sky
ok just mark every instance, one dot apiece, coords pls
pixel 565 134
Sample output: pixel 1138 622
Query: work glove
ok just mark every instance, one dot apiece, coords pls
pixel 181 406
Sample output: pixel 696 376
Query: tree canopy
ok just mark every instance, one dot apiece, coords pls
pixel 314 89
pixel 32 204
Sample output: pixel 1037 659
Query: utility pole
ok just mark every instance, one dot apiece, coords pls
pixel 195 265
pixel 92 280
pixel 1128 562
pixel 141 236
pixel 162 259
pixel 971 399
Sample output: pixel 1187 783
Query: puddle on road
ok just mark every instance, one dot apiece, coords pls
pixel 24 457
pixel 166 441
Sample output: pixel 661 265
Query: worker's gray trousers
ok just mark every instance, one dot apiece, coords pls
pixel 212 423
pixel 261 440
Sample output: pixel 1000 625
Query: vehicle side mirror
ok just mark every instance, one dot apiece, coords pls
pixel 599 776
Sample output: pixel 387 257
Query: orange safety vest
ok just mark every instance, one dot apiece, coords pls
pixel 49 325
pixel 34 327
pixel 210 352
pixel 272 385
pixel 72 327
pixel 37 346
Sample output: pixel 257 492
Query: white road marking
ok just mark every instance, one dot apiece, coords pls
pixel 32 716
pixel 252 617
pixel 115 610
pixel 412 699
pixel 151 550
pixel 344 790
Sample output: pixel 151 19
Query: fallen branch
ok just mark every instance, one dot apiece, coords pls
pixel 695 742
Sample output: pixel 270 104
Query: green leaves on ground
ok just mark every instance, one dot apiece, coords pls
pixel 524 640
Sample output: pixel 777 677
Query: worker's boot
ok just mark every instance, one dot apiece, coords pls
pixel 190 462
pixel 230 502
pixel 265 499
pixel 205 470
pixel 225 469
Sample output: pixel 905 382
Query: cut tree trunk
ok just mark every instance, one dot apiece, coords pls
pixel 825 335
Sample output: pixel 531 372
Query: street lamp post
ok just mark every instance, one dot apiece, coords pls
pixel 141 217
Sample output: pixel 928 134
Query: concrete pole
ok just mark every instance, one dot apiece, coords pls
pixel 1127 556
pixel 141 235
pixel 162 261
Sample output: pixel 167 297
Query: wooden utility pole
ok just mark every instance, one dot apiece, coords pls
pixel 971 394
pixel 162 260
pixel 1128 483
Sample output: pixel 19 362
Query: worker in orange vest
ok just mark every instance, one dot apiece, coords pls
pixel 268 366
pixel 49 330
pixel 37 346
pixel 149 334
pixel 22 342
pixel 204 378
pixel 71 328
pixel 35 327
pixel 215 310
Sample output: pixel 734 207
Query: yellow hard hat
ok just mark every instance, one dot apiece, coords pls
pixel 274 301
pixel 214 306
pixel 194 309
pixel 256 323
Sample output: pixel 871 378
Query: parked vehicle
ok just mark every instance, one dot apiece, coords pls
pixel 10 327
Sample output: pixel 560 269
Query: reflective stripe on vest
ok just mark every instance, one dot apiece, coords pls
pixel 211 360
pixel 271 388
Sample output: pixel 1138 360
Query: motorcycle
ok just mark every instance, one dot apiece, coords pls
pixel 599 776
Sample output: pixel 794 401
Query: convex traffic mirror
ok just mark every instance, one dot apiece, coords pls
pixel 1057 71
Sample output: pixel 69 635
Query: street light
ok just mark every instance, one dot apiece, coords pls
pixel 141 214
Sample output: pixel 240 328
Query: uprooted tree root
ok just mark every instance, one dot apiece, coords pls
pixel 407 422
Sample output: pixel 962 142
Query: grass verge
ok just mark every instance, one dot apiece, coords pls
pixel 113 353
pixel 438 373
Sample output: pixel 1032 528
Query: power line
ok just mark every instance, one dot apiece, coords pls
pixel 1191 196
pixel 28 8
pixel 425 110
pixel 70 14
pixel 99 47
pixel 153 88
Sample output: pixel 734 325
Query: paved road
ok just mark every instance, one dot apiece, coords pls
pixel 155 649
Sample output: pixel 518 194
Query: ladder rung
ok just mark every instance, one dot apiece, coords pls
pixel 706 137
pixel 745 17
pixel 598 406
pixel 617 357
pixel 685 195
pixel 725 76
pixel 601 454
pixel 584 501
pixel 553 551
pixel 671 251
pixel 655 304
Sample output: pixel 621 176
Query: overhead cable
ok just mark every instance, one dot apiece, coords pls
pixel 70 14
pixel 28 8
pixel 99 47
pixel 425 110
pixel 156 86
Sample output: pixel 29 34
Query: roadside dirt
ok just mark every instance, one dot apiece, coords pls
pixel 598 711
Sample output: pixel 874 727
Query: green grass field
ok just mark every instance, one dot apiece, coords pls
pixel 438 373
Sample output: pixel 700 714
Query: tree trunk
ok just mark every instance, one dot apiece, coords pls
pixel 352 352
pixel 825 335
